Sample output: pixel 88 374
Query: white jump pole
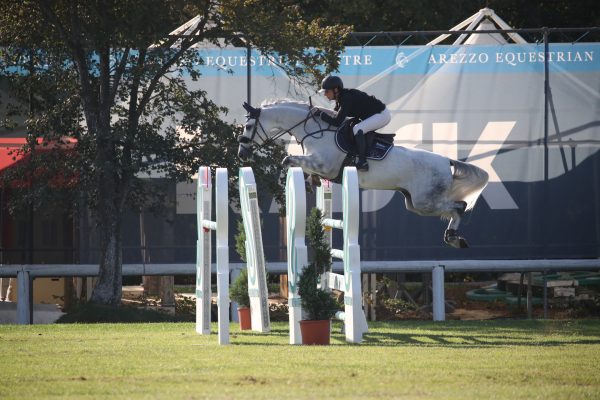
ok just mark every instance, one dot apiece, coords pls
pixel 255 256
pixel 203 252
pixel 297 259
pixel 355 322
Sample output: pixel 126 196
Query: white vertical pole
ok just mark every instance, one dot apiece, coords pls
pixel 355 321
pixel 203 252
pixel 437 283
pixel 222 220
pixel 23 298
pixel 255 256
pixel 296 248
pixel 325 204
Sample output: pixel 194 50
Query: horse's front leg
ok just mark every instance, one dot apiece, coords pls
pixel 308 164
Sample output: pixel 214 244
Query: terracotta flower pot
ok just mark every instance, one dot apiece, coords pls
pixel 315 332
pixel 245 319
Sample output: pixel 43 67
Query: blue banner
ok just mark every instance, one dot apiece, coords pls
pixel 400 60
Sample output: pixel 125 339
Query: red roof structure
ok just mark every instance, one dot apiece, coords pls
pixel 11 154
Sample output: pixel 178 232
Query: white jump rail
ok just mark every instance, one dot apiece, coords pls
pixel 355 322
pixel 255 256
pixel 203 252
pixel 297 259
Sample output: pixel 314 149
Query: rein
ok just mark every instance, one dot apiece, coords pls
pixel 265 137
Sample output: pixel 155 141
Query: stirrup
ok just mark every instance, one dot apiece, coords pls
pixel 362 165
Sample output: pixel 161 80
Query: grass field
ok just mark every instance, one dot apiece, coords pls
pixel 449 360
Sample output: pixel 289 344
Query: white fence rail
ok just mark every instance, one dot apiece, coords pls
pixel 26 272
pixel 280 267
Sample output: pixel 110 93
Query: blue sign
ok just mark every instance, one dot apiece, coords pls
pixel 400 60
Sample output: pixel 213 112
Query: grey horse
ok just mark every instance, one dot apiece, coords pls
pixel 432 185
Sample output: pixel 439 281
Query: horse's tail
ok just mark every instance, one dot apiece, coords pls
pixel 468 182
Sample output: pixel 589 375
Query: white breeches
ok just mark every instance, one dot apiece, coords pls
pixel 374 122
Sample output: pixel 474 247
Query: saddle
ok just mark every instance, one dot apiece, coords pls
pixel 378 144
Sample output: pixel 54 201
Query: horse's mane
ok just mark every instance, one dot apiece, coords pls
pixel 290 102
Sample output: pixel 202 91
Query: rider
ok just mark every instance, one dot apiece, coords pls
pixel 371 112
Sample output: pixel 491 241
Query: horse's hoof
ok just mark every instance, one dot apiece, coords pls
pixel 315 180
pixel 450 234
pixel 452 238
pixel 452 242
pixel 457 242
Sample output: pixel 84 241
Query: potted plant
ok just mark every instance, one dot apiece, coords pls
pixel 239 293
pixel 239 288
pixel 317 305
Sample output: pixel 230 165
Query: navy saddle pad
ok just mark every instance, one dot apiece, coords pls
pixel 378 144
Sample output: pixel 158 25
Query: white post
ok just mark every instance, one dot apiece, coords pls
pixel 325 204
pixel 355 321
pixel 437 284
pixel 255 257
pixel 297 259
pixel 23 298
pixel 203 252
pixel 222 233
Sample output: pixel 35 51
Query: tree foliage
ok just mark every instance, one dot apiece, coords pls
pixel 108 74
pixel 393 15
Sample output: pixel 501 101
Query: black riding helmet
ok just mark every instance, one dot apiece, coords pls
pixel 332 82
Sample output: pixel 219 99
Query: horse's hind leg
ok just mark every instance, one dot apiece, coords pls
pixel 451 235
pixel 311 181
pixel 451 209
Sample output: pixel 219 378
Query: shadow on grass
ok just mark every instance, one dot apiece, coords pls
pixel 466 341
pixel 477 334
pixel 94 313
pixel 513 325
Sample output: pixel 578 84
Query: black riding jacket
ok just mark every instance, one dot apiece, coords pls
pixel 356 104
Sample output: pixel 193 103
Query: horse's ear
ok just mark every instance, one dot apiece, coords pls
pixel 248 107
pixel 254 113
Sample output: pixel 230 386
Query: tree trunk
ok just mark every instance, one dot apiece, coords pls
pixel 109 214
pixel 108 289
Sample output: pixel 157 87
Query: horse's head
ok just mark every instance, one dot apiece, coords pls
pixel 270 122
pixel 248 138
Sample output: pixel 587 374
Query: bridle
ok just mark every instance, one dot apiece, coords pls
pixel 262 134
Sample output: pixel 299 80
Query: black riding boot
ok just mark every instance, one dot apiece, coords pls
pixel 361 146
